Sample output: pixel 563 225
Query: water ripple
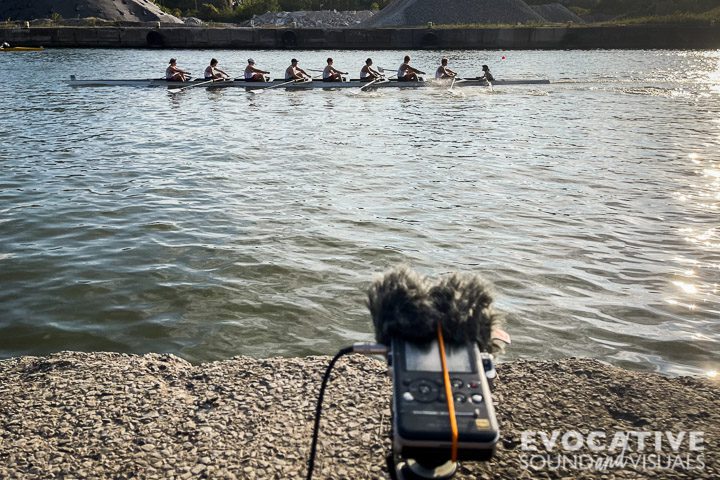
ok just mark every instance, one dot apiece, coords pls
pixel 216 222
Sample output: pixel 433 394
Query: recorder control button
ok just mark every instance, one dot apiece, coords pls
pixel 456 382
pixel 473 385
pixel 477 398
pixel 408 397
pixel 423 390
pixel 460 398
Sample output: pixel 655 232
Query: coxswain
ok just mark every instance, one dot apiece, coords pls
pixel 443 71
pixel 175 74
pixel 254 74
pixel 369 74
pixel 332 74
pixel 293 72
pixel 406 73
pixel 487 76
pixel 214 73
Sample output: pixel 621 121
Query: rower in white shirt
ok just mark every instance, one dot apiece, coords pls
pixel 332 74
pixel 175 74
pixel 367 73
pixel 214 73
pixel 406 73
pixel 254 74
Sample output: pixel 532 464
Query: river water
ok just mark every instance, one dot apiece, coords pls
pixel 215 223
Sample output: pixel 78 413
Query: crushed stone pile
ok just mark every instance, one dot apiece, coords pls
pixel 557 13
pixel 420 12
pixel 113 10
pixel 311 19
pixel 193 21
pixel 107 415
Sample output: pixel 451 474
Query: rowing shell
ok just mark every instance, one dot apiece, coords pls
pixel 21 49
pixel 239 83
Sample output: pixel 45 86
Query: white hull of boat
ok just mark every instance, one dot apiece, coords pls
pixel 151 82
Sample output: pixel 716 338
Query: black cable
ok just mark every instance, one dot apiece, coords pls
pixel 318 409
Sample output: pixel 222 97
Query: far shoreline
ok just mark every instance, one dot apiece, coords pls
pixel 171 36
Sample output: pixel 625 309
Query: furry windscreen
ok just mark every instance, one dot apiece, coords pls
pixel 407 305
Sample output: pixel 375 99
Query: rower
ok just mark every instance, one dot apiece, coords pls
pixel 487 76
pixel 4 46
pixel 175 74
pixel 443 71
pixel 294 72
pixel 332 74
pixel 254 74
pixel 214 73
pixel 406 73
pixel 369 74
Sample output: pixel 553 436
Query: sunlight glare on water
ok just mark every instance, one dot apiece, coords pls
pixel 216 222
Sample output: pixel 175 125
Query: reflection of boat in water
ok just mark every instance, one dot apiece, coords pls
pixel 240 83
pixel 21 49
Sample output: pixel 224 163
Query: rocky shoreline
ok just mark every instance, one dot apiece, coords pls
pixel 365 39
pixel 108 415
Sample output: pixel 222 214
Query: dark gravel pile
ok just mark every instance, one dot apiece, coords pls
pixel 556 13
pixel 115 10
pixel 104 415
pixel 420 12
pixel 311 19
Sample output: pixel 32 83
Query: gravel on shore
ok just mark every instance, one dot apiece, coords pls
pixel 420 12
pixel 108 415
pixel 310 19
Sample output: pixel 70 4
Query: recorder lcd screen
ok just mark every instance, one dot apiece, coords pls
pixel 426 358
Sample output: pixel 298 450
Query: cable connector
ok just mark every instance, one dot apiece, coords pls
pixel 370 348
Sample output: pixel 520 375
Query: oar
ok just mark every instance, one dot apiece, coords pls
pixel 367 85
pixel 261 90
pixel 452 84
pixel 178 90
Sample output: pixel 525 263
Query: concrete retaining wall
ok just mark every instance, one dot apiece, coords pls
pixel 630 37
